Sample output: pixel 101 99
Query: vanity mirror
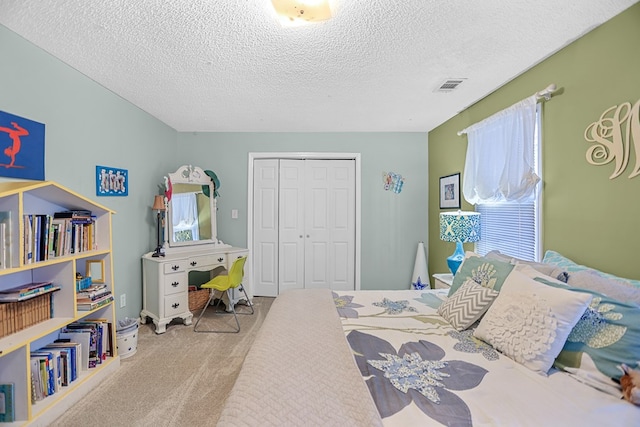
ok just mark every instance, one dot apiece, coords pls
pixel 191 209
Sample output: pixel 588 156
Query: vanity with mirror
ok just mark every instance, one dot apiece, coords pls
pixel 191 252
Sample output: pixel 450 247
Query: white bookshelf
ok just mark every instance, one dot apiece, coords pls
pixel 45 197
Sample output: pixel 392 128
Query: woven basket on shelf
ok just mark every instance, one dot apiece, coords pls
pixel 197 299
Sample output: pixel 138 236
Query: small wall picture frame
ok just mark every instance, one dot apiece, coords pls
pixel 111 181
pixel 450 191
pixel 95 269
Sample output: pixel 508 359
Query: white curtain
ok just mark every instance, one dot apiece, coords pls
pixel 500 156
pixel 185 213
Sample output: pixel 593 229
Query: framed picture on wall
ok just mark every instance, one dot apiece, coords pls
pixel 450 191
pixel 21 147
pixel 111 181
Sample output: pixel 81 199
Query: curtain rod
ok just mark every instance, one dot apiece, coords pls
pixel 541 94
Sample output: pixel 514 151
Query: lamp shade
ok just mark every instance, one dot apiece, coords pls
pixel 158 203
pixel 460 226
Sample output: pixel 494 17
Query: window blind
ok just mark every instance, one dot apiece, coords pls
pixel 510 228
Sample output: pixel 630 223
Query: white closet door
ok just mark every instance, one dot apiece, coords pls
pixel 329 224
pixel 265 227
pixel 291 223
pixel 303 225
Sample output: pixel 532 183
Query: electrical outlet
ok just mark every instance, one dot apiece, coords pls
pixel 123 300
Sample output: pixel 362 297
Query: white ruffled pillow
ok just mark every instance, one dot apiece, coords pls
pixel 530 322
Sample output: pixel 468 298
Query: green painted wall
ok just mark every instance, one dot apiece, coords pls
pixel 87 125
pixel 392 224
pixel 586 216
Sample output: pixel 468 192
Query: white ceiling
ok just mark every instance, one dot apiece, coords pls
pixel 216 65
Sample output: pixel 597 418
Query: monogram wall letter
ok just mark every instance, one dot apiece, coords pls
pixel 613 135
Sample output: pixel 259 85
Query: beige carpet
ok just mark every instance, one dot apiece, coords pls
pixel 179 378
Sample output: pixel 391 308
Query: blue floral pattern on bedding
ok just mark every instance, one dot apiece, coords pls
pixel 470 344
pixel 345 306
pixel 394 307
pixel 416 373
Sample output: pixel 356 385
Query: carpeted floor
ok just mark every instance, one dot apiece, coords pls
pixel 179 378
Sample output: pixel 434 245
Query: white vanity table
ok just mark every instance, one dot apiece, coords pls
pixel 189 246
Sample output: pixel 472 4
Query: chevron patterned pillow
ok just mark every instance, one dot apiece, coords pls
pixel 467 305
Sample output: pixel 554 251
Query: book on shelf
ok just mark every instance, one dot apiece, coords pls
pixel 7 403
pixel 26 292
pixel 71 353
pixel 107 336
pixel 89 304
pixel 28 239
pixel 73 213
pixel 94 339
pixel 46 362
pixel 37 389
pixel 83 339
pixel 54 369
pixel 100 329
pixel 93 292
pixel 5 239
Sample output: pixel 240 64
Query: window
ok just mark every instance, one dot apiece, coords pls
pixel 513 228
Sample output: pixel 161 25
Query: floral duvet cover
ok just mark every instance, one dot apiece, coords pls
pixel 421 371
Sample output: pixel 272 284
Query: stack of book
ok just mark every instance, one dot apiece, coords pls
pixel 96 295
pixel 27 291
pixel 24 306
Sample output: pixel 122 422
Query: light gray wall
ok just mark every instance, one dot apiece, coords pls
pixel 87 125
pixel 392 224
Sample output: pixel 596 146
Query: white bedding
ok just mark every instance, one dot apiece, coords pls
pixel 508 394
pixel 301 371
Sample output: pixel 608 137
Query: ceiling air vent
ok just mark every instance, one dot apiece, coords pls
pixel 449 85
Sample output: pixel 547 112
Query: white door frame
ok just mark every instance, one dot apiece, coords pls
pixel 303 156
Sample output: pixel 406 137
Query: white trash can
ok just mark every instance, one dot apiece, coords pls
pixel 127 337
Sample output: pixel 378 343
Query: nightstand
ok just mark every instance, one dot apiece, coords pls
pixel 442 280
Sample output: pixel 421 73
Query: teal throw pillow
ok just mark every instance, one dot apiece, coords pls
pixel 557 259
pixel 486 272
pixel 608 333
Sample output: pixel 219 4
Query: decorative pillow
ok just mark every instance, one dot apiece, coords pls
pixel 486 272
pixel 546 269
pixel 616 289
pixel 467 305
pixel 552 257
pixel 608 333
pixel 532 273
pixel 530 322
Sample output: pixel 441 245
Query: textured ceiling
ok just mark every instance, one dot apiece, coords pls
pixel 216 65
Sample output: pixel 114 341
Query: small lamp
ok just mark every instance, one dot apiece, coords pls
pixel 158 205
pixel 460 227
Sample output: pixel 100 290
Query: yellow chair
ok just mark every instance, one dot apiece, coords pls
pixel 226 283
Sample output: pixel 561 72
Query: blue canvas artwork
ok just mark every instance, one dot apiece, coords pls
pixel 111 181
pixel 21 147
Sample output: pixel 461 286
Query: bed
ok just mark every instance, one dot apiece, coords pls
pixel 413 357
